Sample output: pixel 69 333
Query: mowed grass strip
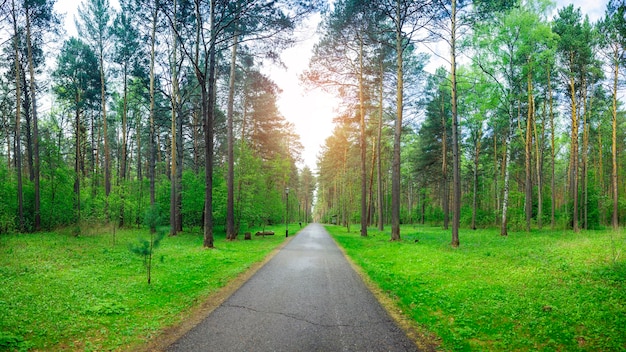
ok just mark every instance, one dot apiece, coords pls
pixel 542 290
pixel 60 292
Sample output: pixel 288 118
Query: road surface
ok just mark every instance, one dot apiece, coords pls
pixel 307 298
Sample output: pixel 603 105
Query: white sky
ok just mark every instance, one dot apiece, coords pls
pixel 312 111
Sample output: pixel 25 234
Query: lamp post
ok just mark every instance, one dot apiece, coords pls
pixel 287 213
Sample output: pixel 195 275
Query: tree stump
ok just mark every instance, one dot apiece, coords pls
pixel 247 236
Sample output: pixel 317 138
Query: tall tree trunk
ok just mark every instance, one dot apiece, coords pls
pixel 587 103
pixel 445 199
pixel 124 157
pixel 370 192
pixel 179 168
pixel 539 141
pixel 456 173
pixel 614 217
pixel 477 145
pixel 77 160
pixel 231 232
pixel 174 151
pixel 528 187
pixel 152 146
pixel 395 168
pixel 379 162
pixel 103 103
pixel 33 94
pixel 26 126
pixel 574 156
pixel 208 103
pixel 552 156
pixel 507 161
pixel 362 145
pixel 18 117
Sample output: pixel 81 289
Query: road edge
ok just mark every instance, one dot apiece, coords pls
pixel 169 335
pixel 424 340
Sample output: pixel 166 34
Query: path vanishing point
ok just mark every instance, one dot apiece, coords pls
pixel 306 298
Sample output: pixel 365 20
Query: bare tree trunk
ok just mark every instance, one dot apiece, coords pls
pixel 174 139
pixel 445 199
pixel 33 94
pixel 231 232
pixel 124 157
pixel 18 117
pixel 614 217
pixel 370 203
pixel 152 146
pixel 379 167
pixel 540 157
pixel 507 158
pixel 362 145
pixel 208 104
pixel 528 187
pixel 395 167
pixel 552 156
pixel 574 156
pixel 456 173
pixel 475 180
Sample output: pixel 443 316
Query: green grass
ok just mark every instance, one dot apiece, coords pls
pixel 553 291
pixel 59 292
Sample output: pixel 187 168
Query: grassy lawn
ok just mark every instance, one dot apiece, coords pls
pixel 554 291
pixel 59 292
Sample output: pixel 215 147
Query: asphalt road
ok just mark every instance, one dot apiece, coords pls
pixel 307 298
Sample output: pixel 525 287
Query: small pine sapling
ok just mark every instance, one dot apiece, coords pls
pixel 145 247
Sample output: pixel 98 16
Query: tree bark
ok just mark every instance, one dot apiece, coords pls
pixel 552 156
pixel 152 144
pixel 362 145
pixel 231 232
pixel 395 169
pixel 574 155
pixel 507 158
pixel 528 187
pixel 475 180
pixel 33 94
pixel 444 168
pixel 18 117
pixel 174 151
pixel 456 173
pixel 379 163
pixel 614 217
pixel 208 104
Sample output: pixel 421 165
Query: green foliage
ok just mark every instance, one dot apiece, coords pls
pixel 529 291
pixel 192 198
pixel 59 292
pixel 8 208
pixel 152 218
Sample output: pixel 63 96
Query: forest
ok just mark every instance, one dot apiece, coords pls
pixel 520 128
pixel 155 108
pixel 163 108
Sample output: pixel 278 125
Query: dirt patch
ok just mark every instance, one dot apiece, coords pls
pixel 197 314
